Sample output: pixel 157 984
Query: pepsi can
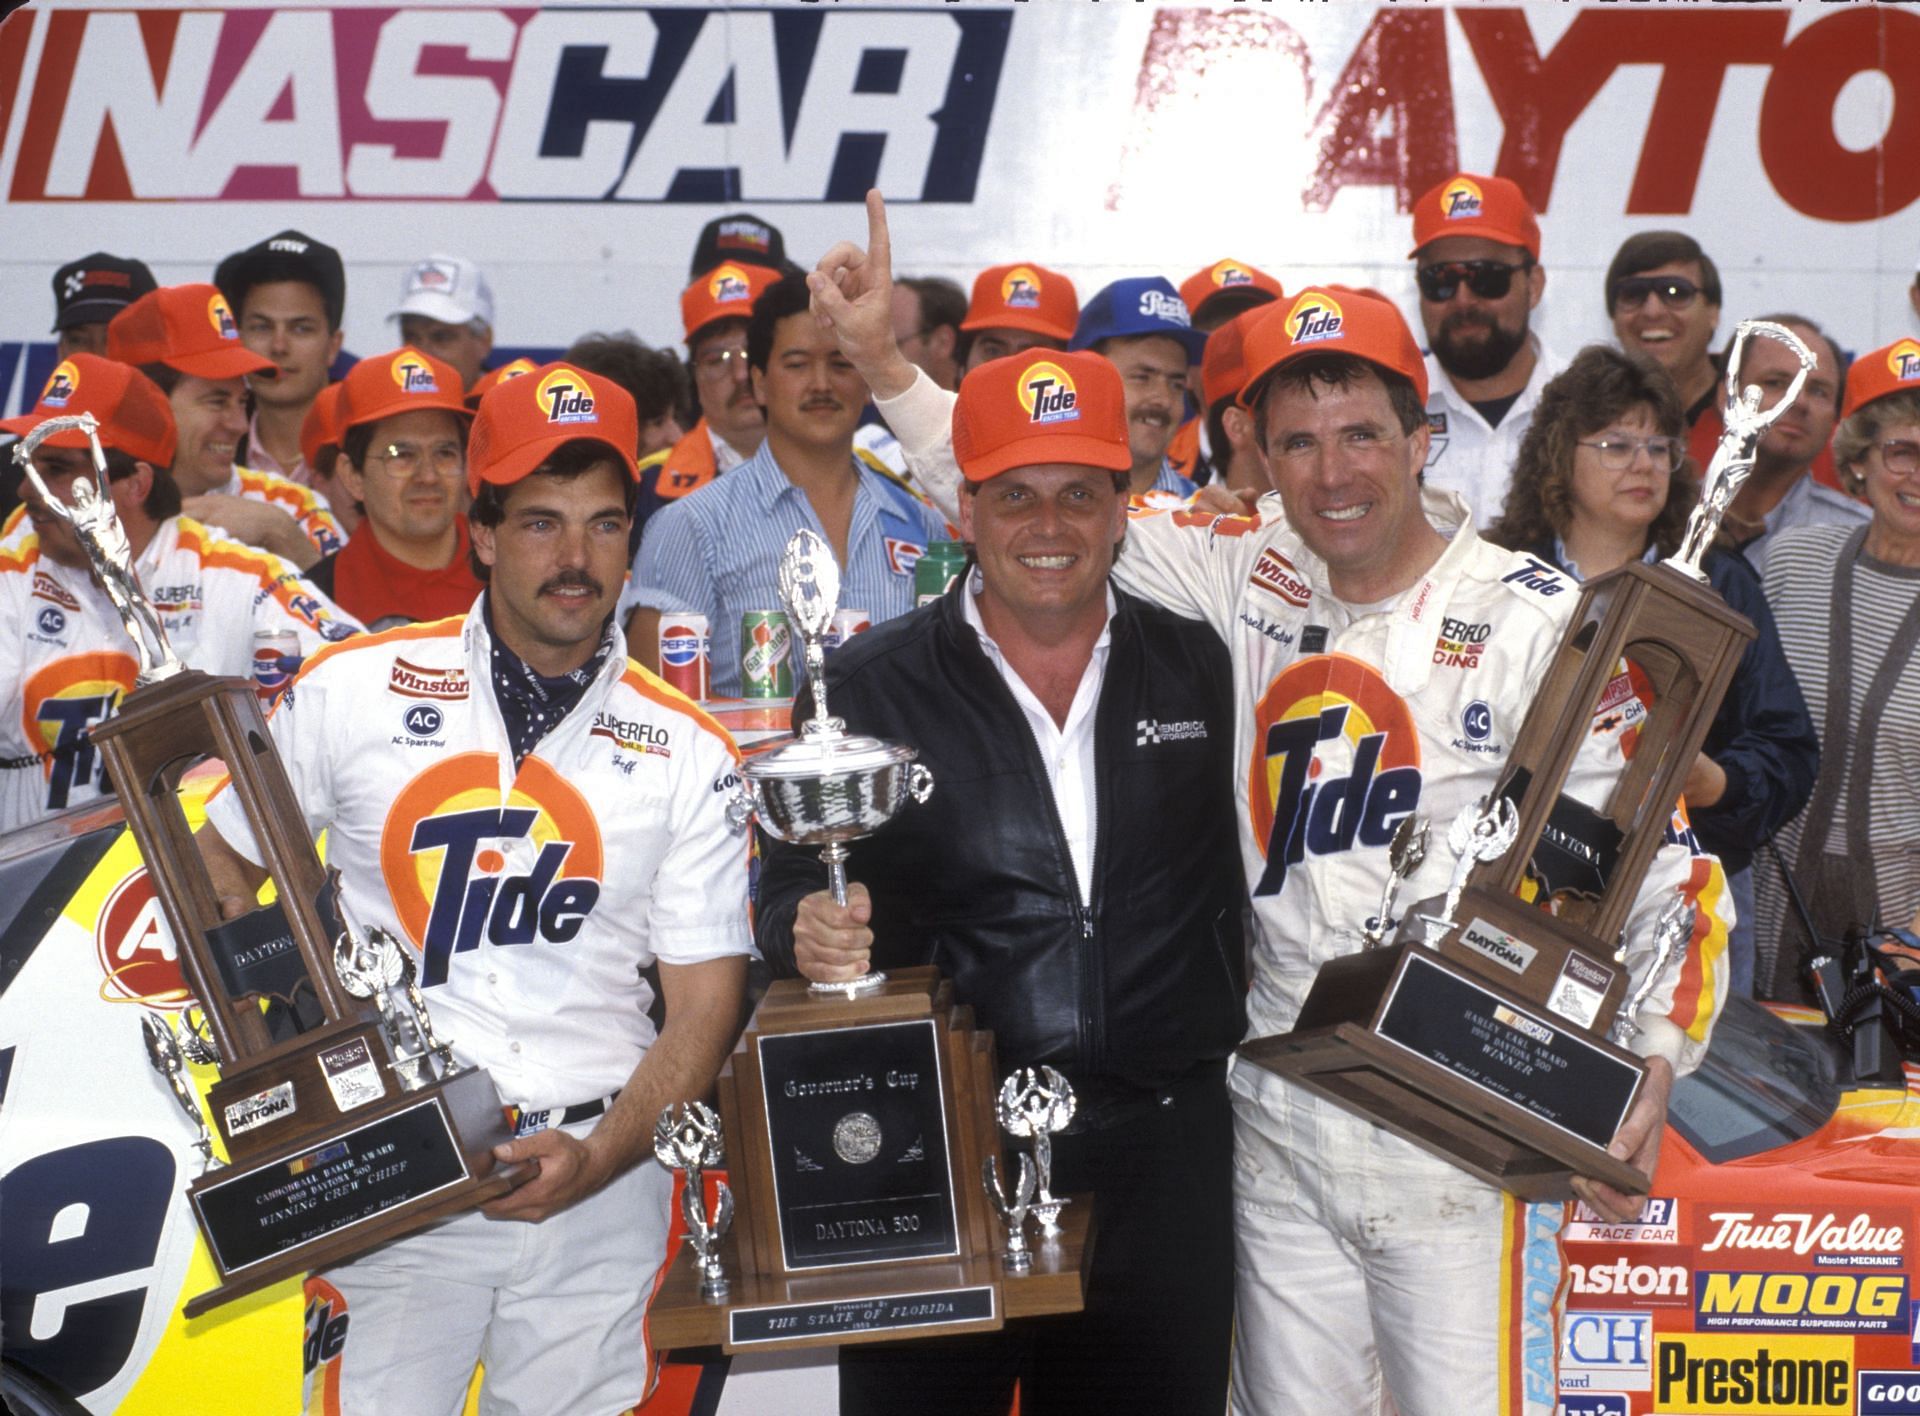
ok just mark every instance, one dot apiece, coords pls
pixel 686 647
pixel 276 659
pixel 846 624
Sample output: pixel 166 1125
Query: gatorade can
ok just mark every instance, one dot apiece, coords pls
pixel 846 624
pixel 276 659
pixel 935 570
pixel 766 661
pixel 686 647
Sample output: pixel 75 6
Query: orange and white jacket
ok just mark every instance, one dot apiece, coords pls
pixel 66 660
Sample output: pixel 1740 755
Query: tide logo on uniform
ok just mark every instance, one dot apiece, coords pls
pixel 729 285
pixel 1462 199
pixel 1903 360
pixel 566 397
pixel 413 374
pixel 1336 763
pixel 1048 395
pixel 461 865
pixel 1020 289
pixel 138 960
pixel 60 703
pixel 220 316
pixel 62 384
pixel 1315 316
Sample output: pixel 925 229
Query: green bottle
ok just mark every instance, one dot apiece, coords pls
pixel 935 570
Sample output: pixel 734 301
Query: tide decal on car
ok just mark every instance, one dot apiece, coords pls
pixel 462 865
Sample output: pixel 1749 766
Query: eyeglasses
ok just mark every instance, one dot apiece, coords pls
pixel 1900 457
pixel 1676 292
pixel 719 363
pixel 1490 280
pixel 402 460
pixel 1616 454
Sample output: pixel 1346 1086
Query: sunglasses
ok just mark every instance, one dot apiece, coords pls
pixel 1676 292
pixel 1490 280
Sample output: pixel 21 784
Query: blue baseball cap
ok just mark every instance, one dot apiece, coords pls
pixel 1141 305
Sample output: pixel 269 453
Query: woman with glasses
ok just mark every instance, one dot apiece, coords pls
pixel 1847 599
pixel 1602 480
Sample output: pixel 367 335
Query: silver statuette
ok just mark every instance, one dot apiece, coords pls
pixel 1406 855
pixel 1671 933
pixel 1732 460
pixel 96 525
pixel 165 1054
pixel 1012 1209
pixel 688 1137
pixel 1033 1104
pixel 380 967
pixel 1484 831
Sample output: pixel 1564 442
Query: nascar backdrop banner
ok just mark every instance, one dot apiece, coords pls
pixel 574 152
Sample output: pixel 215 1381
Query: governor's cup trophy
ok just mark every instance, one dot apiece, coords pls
pixel 1490 1025
pixel 866 1196
pixel 344 1121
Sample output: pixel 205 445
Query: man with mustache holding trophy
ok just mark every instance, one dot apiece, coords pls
pixel 1073 874
pixel 1384 659
pixel 538 820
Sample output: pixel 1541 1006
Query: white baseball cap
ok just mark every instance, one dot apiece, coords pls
pixel 445 288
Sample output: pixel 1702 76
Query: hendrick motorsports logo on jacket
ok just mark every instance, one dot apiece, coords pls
pixel 1153 730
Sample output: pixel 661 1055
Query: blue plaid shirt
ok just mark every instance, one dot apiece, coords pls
pixel 717 553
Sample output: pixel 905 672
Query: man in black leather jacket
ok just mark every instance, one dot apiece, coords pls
pixel 1076 874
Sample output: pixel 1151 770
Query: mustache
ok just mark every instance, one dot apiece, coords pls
pixel 824 402
pixel 572 580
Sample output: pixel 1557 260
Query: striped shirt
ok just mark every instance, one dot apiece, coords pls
pixel 717 553
pixel 1799 585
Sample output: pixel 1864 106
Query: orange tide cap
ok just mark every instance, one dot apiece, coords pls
pixel 321 428
pixel 524 421
pixel 1893 369
pixel 726 292
pixel 1023 296
pixel 186 327
pixel 1329 320
pixel 134 415
pixel 402 380
pixel 1226 277
pixel 1037 407
pixel 484 385
pixel 1470 205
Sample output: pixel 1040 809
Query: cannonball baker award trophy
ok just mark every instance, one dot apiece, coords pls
pixel 859 1122
pixel 1491 1031
pixel 345 1122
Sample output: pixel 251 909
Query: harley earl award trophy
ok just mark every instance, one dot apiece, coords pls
pixel 345 1121
pixel 857 1120
pixel 1491 1031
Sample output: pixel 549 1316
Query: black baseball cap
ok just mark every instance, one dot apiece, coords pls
pixel 290 255
pixel 744 238
pixel 95 288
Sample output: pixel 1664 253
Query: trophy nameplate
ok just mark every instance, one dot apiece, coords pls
pixel 338 1138
pixel 1491 1031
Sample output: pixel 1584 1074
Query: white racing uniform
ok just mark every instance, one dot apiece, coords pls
pixel 1360 1256
pixel 533 898
pixel 66 660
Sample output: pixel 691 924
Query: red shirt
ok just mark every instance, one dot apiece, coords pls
pixel 371 585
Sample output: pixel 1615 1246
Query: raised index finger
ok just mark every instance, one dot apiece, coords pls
pixel 879 244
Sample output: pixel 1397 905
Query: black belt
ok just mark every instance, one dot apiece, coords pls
pixel 525 1122
pixel 1109 1101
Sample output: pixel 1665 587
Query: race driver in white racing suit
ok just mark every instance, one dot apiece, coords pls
pixel 1384 657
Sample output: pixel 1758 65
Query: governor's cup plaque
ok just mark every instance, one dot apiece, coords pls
pixel 344 1122
pixel 859 1120
pixel 1491 1030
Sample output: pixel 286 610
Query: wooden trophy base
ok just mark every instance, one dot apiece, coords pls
pixel 1466 1070
pixel 399 1165
pixel 932 1299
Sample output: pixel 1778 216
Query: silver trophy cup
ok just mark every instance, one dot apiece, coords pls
pixel 826 787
